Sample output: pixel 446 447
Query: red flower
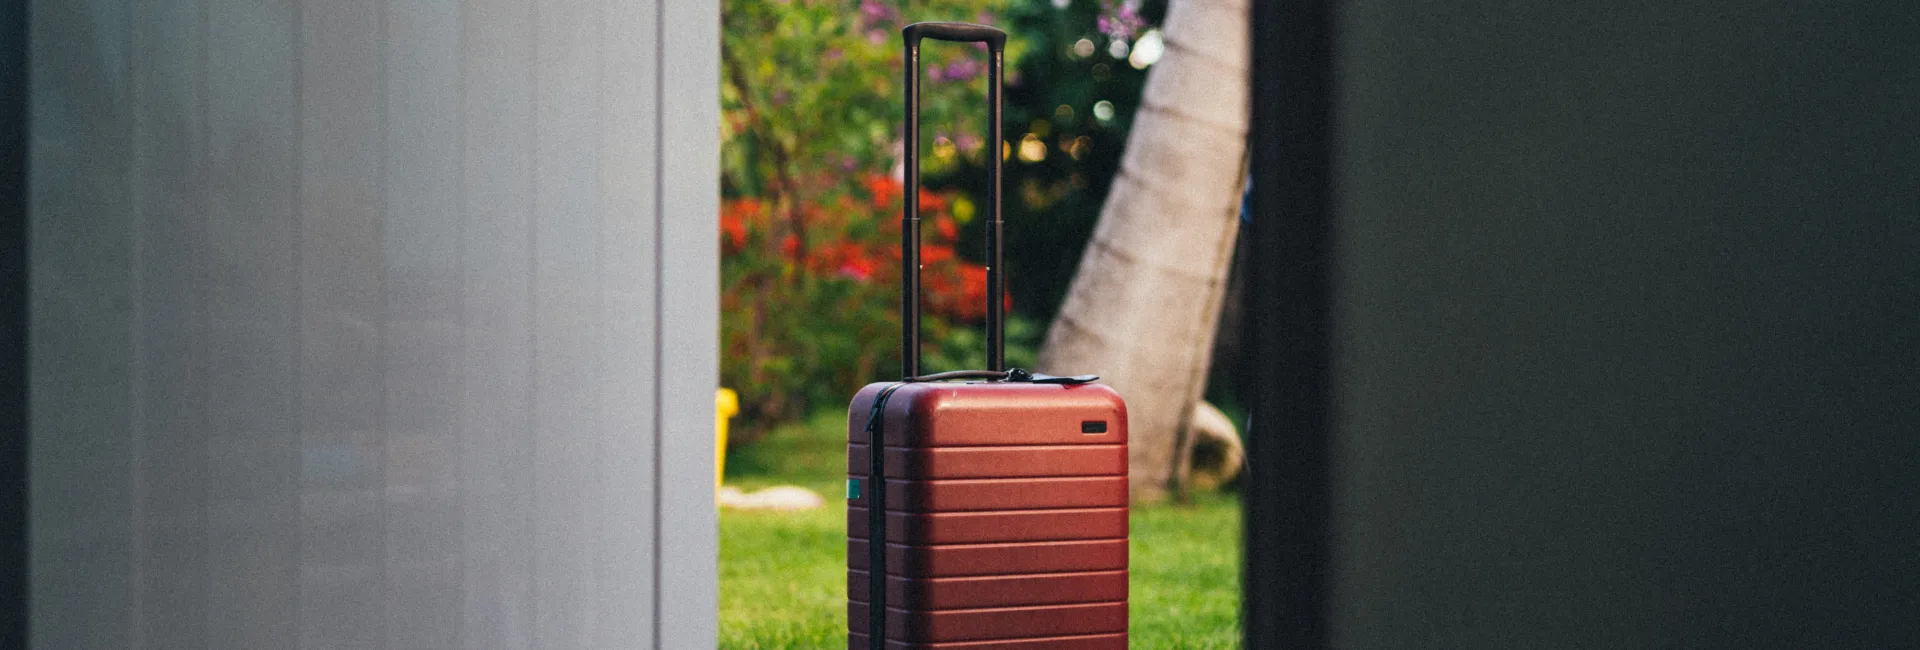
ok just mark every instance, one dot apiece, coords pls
pixel 973 292
pixel 859 268
pixel 884 191
pixel 734 232
pixel 946 227
pixel 790 245
pixel 930 202
pixel 936 288
pixel 840 258
pixel 742 209
pixel 733 221
pixel 935 254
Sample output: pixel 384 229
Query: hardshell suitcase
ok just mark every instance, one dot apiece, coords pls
pixel 996 516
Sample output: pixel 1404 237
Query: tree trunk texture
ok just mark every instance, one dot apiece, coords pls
pixel 1145 301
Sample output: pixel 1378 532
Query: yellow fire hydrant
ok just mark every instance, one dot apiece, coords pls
pixel 726 404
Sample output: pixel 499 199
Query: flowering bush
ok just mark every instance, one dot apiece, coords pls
pixel 810 263
pixel 814 85
pixel 809 313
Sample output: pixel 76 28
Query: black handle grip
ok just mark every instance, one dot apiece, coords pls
pixel 955 32
pixel 910 215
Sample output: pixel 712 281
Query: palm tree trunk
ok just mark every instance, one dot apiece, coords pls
pixel 1145 301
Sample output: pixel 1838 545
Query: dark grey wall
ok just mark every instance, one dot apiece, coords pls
pixel 13 325
pixel 1627 306
pixel 373 323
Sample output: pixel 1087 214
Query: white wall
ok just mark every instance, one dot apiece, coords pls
pixel 373 323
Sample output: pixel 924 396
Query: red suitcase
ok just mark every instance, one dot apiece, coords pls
pixel 1002 523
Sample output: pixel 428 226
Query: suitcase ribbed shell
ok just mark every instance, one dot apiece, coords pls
pixel 1006 516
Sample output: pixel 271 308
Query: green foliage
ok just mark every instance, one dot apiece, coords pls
pixel 815 85
pixel 811 453
pixel 810 314
pixel 811 122
pixel 966 347
pixel 811 107
pixel 1052 94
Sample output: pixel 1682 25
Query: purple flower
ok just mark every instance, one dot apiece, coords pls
pixel 1120 21
pixel 934 73
pixel 876 13
pixel 969 142
pixel 963 70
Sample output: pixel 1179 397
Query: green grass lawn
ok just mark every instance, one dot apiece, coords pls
pixel 783 575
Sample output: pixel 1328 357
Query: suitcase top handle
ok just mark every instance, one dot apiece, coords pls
pixel 1014 375
pixel 910 214
pixel 955 32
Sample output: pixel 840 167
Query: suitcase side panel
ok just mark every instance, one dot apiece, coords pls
pixel 999 623
pixel 1007 524
pixel 1014 414
pixel 956 495
pixel 858 641
pixel 944 560
pixel 985 414
pixel 980 592
pixel 1011 461
pixel 995 526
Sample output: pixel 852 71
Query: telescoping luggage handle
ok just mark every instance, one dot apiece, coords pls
pixel 996 41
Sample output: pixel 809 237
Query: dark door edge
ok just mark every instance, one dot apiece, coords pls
pixel 1288 308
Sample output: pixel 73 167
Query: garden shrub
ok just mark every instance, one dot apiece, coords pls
pixel 812 199
pixel 811 311
pixel 811 106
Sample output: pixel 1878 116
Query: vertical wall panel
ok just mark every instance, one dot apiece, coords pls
pixel 253 437
pixel 689 284
pixel 342 320
pixel 373 324
pixel 81 403
pixel 169 191
pixel 14 373
pixel 629 77
pixel 1625 329
pixel 566 319
pixel 497 75
pixel 422 343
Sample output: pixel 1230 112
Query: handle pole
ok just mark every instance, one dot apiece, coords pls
pixel 910 223
pixel 910 210
pixel 910 295
pixel 996 276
